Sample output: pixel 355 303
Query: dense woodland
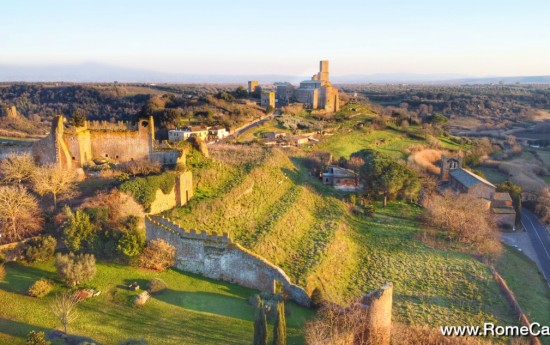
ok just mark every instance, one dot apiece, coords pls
pixel 39 103
pixel 512 102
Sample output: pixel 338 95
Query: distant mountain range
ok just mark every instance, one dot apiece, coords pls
pixel 93 72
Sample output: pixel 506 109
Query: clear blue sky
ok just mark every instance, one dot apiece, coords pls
pixel 472 37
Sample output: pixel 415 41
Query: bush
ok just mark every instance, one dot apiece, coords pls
pixel 156 285
pixel 37 338
pixel 158 255
pixel 40 249
pixel 41 288
pixel 75 269
pixel 317 298
pixel 131 243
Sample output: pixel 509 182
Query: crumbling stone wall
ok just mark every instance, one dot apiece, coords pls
pixel 74 147
pixel 377 326
pixel 218 257
pixel 178 196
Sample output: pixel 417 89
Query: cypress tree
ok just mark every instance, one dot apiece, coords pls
pixel 279 331
pixel 260 325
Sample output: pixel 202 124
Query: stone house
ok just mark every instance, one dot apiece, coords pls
pixel 460 180
pixel 299 140
pixel 341 179
pixel 217 132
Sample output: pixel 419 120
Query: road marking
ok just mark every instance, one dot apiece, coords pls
pixel 540 239
pixel 542 244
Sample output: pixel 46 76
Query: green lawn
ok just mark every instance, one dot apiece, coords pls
pixel 493 174
pixel 528 284
pixel 194 310
pixel 433 287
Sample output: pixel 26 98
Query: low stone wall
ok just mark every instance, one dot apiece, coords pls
pixel 515 305
pixel 218 257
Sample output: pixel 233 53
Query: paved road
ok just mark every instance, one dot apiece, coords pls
pixel 240 131
pixel 540 239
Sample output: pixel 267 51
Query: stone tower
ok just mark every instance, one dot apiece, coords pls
pixel 448 164
pixel 323 70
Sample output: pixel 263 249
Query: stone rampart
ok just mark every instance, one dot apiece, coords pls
pixel 218 257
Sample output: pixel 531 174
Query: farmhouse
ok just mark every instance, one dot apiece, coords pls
pixel 341 179
pixel 460 180
pixel 185 133
pixel 217 132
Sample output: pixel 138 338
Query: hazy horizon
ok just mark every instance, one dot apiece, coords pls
pixel 469 38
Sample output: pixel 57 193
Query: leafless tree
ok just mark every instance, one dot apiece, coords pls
pixel 63 307
pixel 54 180
pixel 464 219
pixel 17 168
pixel 20 215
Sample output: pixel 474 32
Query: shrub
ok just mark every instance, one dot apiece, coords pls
pixel 41 288
pixel 79 232
pixel 75 269
pixel 40 249
pixel 158 255
pixel 37 338
pixel 131 243
pixel 317 298
pixel 156 285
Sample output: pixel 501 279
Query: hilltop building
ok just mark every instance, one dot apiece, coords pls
pixel 267 99
pixel 252 86
pixel 77 146
pixel 460 180
pixel 317 93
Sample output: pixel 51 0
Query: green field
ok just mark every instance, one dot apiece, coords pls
pixel 193 310
pixel 528 284
pixel 305 228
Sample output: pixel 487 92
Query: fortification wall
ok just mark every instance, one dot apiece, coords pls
pixel 218 257
pixel 178 196
pixel 119 146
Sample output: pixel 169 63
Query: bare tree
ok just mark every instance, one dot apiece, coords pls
pixel 466 219
pixel 20 215
pixel 17 168
pixel 63 307
pixel 54 180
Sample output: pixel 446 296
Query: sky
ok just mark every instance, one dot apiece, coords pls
pixel 465 37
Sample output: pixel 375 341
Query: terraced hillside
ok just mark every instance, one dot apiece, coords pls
pixel 283 214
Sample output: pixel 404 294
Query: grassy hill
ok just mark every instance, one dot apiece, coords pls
pixel 193 310
pixel 305 227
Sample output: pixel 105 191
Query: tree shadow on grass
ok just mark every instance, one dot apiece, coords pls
pixel 20 277
pixel 19 329
pixel 156 323
pixel 208 302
